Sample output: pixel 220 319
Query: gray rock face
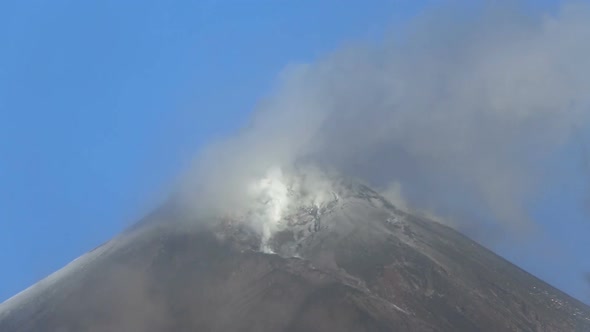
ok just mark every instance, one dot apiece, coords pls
pixel 356 264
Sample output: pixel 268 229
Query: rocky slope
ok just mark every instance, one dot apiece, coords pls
pixel 351 262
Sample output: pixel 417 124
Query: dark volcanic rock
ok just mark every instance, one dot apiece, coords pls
pixel 361 265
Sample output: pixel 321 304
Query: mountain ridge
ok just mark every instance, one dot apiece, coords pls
pixel 352 263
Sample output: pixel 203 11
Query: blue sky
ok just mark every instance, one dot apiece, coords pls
pixel 103 104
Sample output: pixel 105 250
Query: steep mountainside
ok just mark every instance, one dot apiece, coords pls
pixel 352 263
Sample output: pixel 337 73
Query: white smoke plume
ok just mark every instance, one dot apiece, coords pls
pixel 454 117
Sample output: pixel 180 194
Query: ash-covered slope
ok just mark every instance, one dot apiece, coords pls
pixel 352 263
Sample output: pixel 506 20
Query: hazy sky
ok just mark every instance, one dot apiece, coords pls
pixel 103 104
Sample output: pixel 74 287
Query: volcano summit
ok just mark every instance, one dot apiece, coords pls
pixel 337 258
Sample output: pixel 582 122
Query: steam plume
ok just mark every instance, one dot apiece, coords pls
pixel 455 117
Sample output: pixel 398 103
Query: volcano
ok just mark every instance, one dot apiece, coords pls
pixel 354 262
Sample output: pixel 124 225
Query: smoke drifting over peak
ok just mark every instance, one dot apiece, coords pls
pixel 454 118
